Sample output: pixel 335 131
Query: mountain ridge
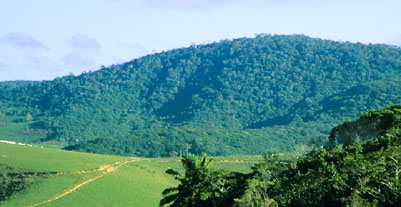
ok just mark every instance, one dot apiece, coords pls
pixel 265 86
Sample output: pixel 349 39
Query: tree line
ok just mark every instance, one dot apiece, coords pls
pixel 360 173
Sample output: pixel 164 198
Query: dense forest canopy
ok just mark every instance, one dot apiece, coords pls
pixel 248 95
pixel 364 173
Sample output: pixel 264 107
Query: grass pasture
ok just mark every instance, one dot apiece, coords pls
pixel 38 159
pixel 46 188
pixel 135 184
pixel 114 181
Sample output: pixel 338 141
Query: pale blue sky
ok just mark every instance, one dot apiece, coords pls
pixel 43 39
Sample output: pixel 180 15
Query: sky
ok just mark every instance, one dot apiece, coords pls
pixel 45 39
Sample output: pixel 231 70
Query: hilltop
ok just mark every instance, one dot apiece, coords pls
pixel 242 96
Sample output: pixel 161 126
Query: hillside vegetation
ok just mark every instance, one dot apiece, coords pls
pixel 242 96
pixel 355 173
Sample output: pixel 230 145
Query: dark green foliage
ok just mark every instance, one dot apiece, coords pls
pixel 371 124
pixel 341 177
pixel 172 141
pixel 203 186
pixel 12 181
pixel 269 86
pixel 361 174
pixel 366 173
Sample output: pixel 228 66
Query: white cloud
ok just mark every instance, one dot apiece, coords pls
pixel 81 41
pixel 23 40
pixel 43 64
pixel 78 62
pixel 31 68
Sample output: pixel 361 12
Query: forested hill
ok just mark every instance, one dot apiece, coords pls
pixel 357 173
pixel 247 95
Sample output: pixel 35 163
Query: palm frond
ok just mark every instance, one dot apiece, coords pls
pixel 168 199
pixel 169 190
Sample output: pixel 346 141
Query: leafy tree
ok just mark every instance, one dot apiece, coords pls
pixel 364 173
pixel 361 174
pixel 194 185
pixel 202 186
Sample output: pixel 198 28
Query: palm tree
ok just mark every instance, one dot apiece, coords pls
pixel 194 188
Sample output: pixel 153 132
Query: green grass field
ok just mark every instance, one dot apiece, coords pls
pixel 114 180
pixel 38 159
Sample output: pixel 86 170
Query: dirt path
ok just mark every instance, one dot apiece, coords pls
pixel 106 169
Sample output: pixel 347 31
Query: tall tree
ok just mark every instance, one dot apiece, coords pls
pixel 194 186
pixel 203 186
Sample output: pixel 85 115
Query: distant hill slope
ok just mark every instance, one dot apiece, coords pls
pixel 217 98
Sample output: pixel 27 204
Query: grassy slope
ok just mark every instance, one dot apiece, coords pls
pixel 37 159
pixel 20 132
pixel 136 183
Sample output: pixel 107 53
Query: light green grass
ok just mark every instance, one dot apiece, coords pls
pixel 138 183
pixel 37 159
pixel 241 163
pixel 46 188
